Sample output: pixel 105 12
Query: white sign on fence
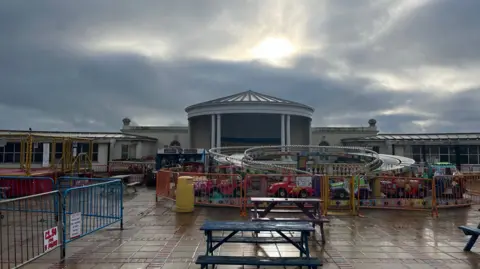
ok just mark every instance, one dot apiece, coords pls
pixel 304 181
pixel 75 225
pixel 50 239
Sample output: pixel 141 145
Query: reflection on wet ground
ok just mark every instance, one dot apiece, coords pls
pixel 156 237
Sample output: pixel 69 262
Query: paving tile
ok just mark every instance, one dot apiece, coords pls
pixel 108 266
pixel 150 248
pixel 134 266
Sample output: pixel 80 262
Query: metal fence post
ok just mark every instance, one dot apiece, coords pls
pixel 121 206
pixel 63 221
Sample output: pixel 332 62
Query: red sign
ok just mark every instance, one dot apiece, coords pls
pixel 50 239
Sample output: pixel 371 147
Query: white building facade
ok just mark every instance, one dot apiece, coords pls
pixel 251 118
pixel 461 149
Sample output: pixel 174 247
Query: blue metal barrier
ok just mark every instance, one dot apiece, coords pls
pixel 20 186
pixel 23 222
pixel 71 182
pixel 87 209
pixel 92 204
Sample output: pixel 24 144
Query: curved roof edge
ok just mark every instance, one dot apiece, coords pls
pixel 286 109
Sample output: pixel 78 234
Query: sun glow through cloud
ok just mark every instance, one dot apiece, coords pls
pixel 273 50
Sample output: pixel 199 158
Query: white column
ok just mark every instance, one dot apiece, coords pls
pixel 282 130
pixel 288 130
pixel 310 132
pixel 212 137
pixel 219 130
pixel 189 135
pixel 138 150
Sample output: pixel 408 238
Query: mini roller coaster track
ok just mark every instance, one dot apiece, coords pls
pixel 246 159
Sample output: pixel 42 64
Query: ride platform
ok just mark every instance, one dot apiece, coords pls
pixel 35 172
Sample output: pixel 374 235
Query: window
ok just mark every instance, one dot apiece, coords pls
pixel 444 150
pixel 417 150
pixel 473 155
pixel 463 159
pixel 84 147
pixel 432 150
pixel 37 153
pixel 95 153
pixel 376 149
pixel 447 154
pixel 11 152
pixel 453 155
pixel 124 152
pixel 473 159
pixel 452 159
pixel 58 150
pixel 444 158
pixel 417 153
pixel 462 152
pixel 441 153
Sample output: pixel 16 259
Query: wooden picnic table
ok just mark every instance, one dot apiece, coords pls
pixel 313 213
pixel 235 227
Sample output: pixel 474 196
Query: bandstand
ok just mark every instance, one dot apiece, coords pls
pixel 248 118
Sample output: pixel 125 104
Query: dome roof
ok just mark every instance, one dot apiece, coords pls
pixel 249 102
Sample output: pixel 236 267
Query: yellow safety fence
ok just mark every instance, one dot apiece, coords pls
pixel 472 186
pixel 341 195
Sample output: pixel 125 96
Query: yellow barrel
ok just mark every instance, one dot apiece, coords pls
pixel 377 188
pixel 185 195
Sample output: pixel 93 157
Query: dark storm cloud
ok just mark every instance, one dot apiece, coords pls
pixel 51 79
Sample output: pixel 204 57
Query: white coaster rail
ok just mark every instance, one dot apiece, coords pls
pixel 234 156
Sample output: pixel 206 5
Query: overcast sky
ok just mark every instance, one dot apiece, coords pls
pixel 84 65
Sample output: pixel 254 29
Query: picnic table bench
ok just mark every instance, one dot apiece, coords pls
pixel 313 213
pixel 235 227
pixel 204 261
pixel 126 184
pixel 473 232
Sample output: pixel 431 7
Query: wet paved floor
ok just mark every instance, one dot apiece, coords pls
pixel 156 237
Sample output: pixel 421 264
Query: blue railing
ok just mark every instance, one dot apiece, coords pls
pixel 23 222
pixel 87 209
pixel 82 205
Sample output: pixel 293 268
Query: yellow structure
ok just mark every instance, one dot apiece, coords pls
pixel 339 207
pixel 185 195
pixel 69 160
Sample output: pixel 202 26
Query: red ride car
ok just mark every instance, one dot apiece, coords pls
pixel 289 188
